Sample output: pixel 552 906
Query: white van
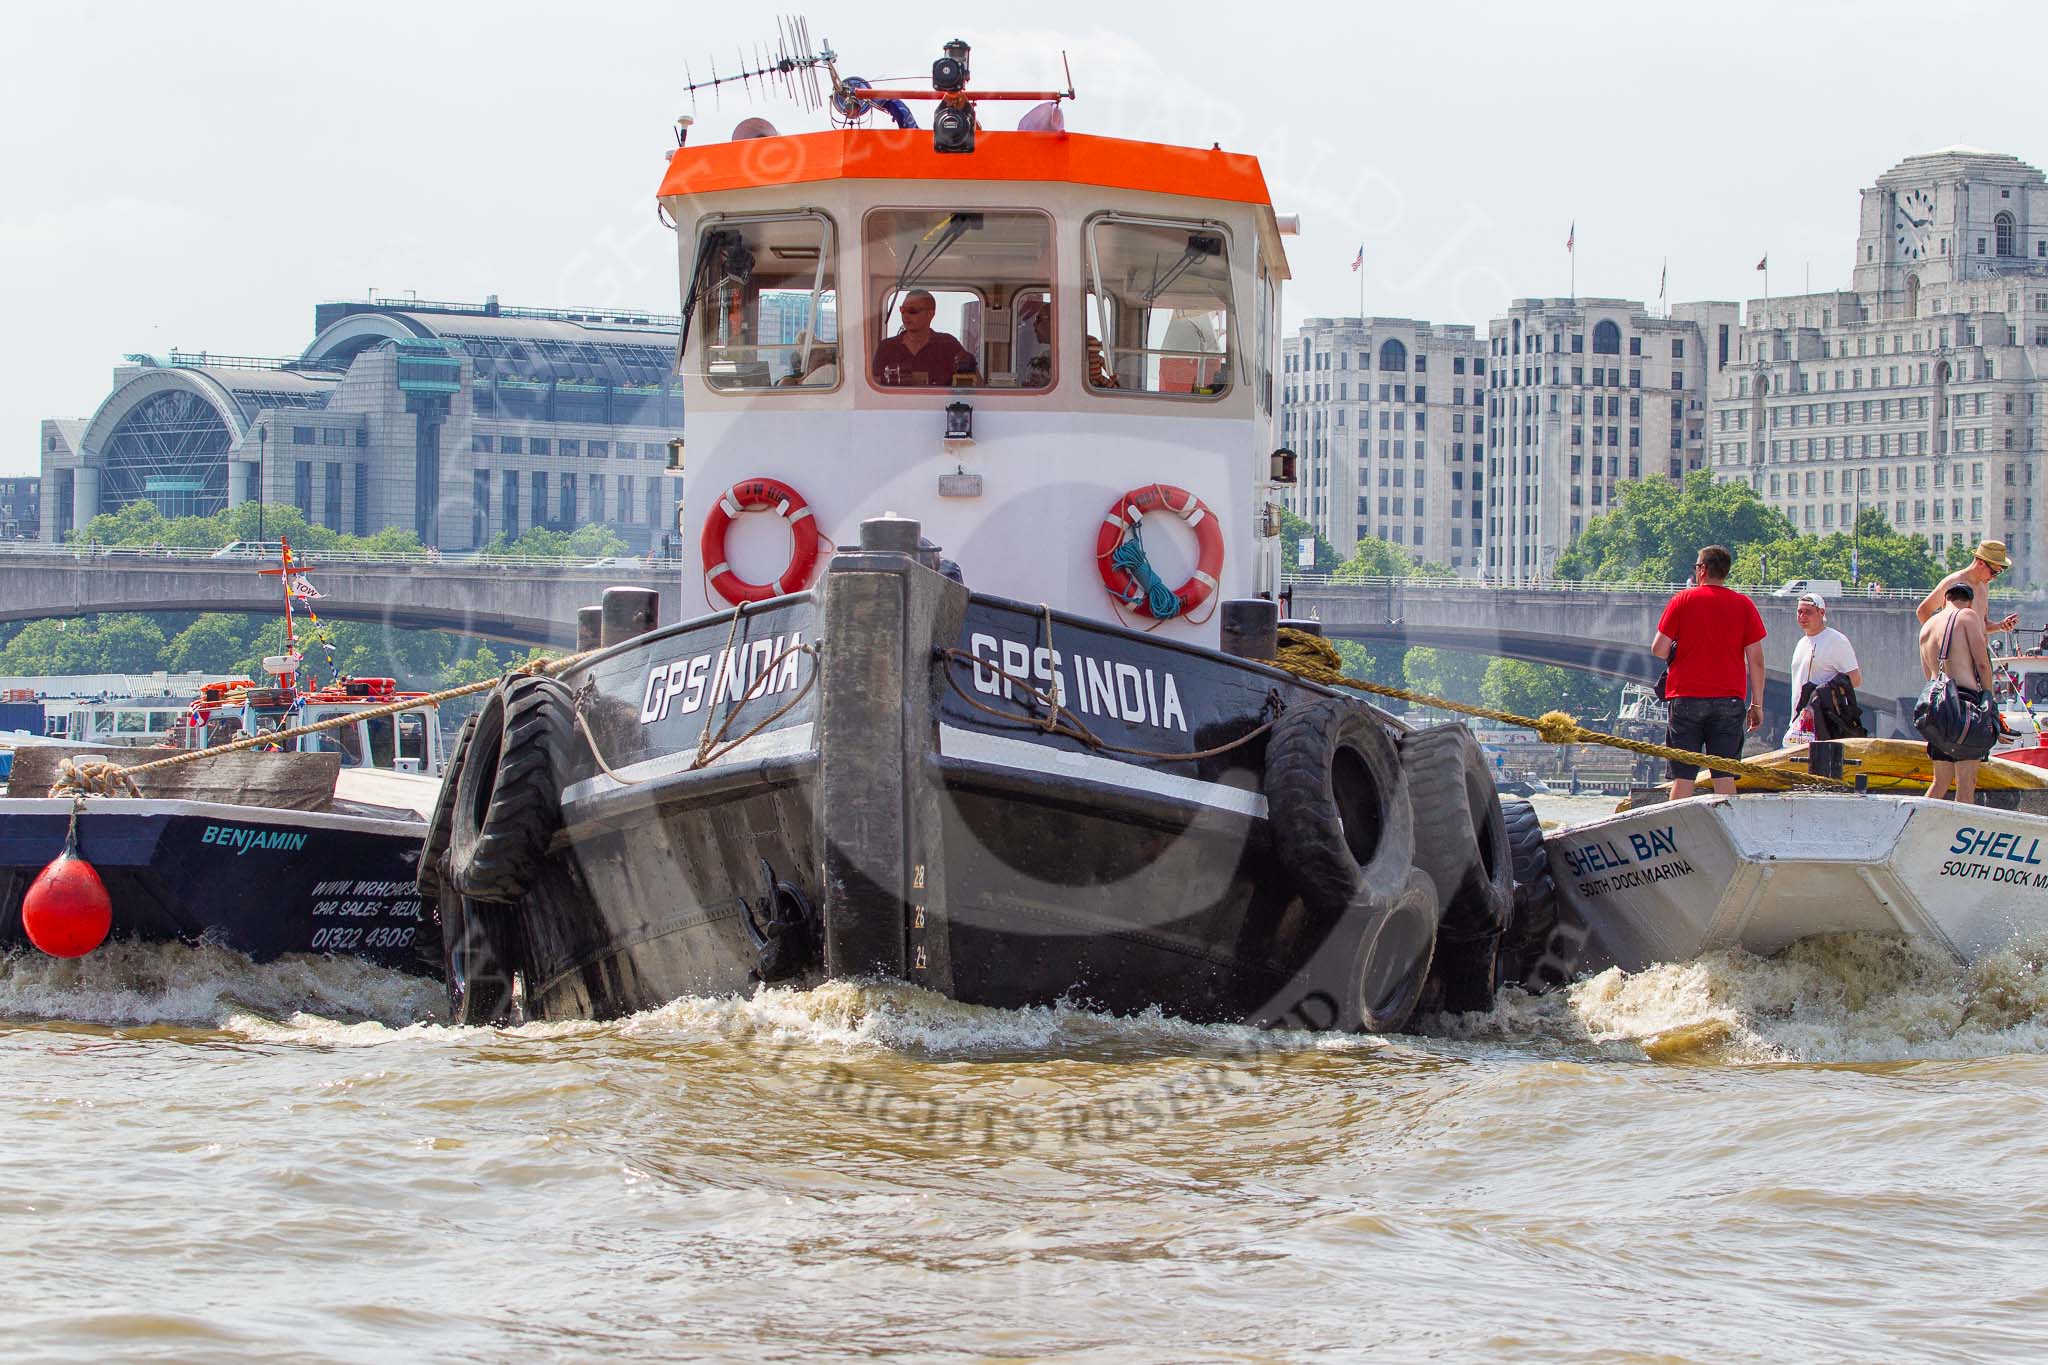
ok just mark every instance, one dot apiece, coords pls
pixel 1828 588
pixel 250 549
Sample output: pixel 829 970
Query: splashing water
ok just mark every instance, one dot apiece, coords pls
pixel 205 986
pixel 1834 998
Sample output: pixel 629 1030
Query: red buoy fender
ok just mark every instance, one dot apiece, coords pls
pixel 1127 514
pixel 759 495
pixel 67 912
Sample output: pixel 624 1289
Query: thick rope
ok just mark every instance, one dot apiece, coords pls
pixel 1313 657
pixel 78 777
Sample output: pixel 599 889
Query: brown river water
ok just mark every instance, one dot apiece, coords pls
pixel 1837 1154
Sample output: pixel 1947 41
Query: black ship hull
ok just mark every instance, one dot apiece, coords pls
pixel 260 881
pixel 1005 805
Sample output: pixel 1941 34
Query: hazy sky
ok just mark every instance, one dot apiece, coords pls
pixel 200 176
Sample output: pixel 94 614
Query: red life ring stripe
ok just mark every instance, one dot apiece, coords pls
pixel 1126 516
pixel 759 495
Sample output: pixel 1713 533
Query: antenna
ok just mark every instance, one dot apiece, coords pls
pixel 790 68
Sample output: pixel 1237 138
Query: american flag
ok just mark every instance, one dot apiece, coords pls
pixel 1359 259
pixel 1572 235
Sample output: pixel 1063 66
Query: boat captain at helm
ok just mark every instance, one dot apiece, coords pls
pixel 917 356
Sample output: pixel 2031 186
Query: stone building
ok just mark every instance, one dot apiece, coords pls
pixel 20 500
pixel 1919 390
pixel 454 420
pixel 1388 420
pixel 1583 396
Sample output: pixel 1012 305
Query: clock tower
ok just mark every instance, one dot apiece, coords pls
pixel 1944 217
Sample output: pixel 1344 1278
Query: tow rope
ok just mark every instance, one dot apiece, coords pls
pixel 537 666
pixel 1316 659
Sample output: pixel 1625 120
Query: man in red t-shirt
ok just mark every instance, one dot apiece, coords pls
pixel 1714 641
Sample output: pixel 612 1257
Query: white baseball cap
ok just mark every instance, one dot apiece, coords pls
pixel 1814 600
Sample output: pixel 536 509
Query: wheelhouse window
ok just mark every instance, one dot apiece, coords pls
pixel 960 299
pixel 763 300
pixel 1159 307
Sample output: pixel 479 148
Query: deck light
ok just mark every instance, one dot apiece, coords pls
pixel 949 73
pixel 953 128
pixel 959 421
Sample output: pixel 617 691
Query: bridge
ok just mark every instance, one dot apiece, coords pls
pixel 1605 628
pixel 521 601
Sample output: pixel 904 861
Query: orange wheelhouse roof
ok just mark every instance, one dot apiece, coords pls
pixel 906 154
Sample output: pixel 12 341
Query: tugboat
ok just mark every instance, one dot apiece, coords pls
pixel 972 687
pixel 311 848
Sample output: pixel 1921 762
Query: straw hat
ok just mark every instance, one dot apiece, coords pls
pixel 1992 552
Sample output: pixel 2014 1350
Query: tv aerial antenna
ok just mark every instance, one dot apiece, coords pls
pixel 790 67
pixel 793 65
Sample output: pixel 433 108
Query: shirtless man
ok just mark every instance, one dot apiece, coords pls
pixel 1958 630
pixel 1989 561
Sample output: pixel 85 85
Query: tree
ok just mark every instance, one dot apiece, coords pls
pixel 1294 530
pixel 595 542
pixel 1531 689
pixel 210 644
pixel 1875 552
pixel 1376 558
pixel 1444 672
pixel 128 644
pixel 124 643
pixel 1659 527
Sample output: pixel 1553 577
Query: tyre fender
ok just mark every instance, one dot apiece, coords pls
pixel 441 821
pixel 1544 940
pixel 508 800
pixel 1337 805
pixel 1461 840
pixel 483 962
pixel 1369 973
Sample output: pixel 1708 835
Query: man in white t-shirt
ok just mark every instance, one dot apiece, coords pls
pixel 1821 654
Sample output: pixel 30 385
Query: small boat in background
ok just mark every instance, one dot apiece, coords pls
pixel 1666 882
pixel 309 848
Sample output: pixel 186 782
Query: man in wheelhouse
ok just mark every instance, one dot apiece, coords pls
pixel 917 356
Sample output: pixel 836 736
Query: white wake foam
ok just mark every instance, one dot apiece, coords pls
pixel 208 987
pixel 1836 998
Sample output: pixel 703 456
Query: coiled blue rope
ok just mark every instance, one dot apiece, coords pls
pixel 1159 599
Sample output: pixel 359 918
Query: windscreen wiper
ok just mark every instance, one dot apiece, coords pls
pixel 710 247
pixel 915 268
pixel 1201 246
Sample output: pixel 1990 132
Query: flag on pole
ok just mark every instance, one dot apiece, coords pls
pixel 304 590
pixel 1359 259
pixel 1572 235
pixel 1765 263
pixel 1663 277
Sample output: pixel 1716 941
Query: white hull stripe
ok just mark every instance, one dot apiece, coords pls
pixel 795 739
pixel 1024 756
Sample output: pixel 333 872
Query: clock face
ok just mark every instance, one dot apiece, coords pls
pixel 1914 224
